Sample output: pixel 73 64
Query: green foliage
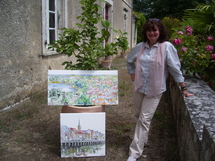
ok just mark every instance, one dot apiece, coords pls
pixel 87 44
pixel 122 41
pixel 171 23
pixel 203 17
pixel 123 86
pixel 164 8
pixel 139 23
pixel 141 6
pixel 110 48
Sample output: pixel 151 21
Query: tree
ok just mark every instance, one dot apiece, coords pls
pixel 171 23
pixel 203 17
pixel 164 8
pixel 142 6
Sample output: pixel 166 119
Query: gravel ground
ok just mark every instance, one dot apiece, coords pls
pixel 31 131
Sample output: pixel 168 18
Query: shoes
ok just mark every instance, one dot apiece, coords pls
pixel 130 158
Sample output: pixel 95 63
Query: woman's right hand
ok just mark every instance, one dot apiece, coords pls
pixel 132 77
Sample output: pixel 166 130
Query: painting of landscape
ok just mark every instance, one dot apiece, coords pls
pixel 82 134
pixel 82 87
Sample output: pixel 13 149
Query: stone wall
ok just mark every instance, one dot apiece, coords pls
pixel 195 120
pixel 23 69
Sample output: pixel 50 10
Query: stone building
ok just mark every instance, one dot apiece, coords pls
pixel 27 26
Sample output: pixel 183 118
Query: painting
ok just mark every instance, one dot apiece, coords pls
pixel 81 87
pixel 82 134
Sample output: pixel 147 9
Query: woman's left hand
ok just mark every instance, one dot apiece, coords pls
pixel 186 94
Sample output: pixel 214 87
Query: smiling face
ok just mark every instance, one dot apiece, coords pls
pixel 154 31
pixel 153 35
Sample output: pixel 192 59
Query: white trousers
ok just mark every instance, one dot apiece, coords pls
pixel 144 111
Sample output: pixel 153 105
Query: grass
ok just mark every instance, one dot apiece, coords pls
pixel 123 85
pixel 118 63
pixel 35 125
pixel 2 127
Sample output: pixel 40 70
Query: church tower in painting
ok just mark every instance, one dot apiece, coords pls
pixel 79 125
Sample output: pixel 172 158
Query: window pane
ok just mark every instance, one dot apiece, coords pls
pixel 51 5
pixel 51 20
pixel 106 12
pixel 51 36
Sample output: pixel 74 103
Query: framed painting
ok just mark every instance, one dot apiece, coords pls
pixel 81 87
pixel 82 134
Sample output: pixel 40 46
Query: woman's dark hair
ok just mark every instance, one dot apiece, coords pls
pixel 150 25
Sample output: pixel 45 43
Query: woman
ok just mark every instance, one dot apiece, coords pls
pixel 155 57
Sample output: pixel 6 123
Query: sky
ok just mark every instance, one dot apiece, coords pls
pixel 93 121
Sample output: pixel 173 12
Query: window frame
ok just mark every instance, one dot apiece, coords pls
pixel 61 20
pixel 55 27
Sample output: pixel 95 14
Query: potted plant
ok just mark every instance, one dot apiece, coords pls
pixel 123 43
pixel 86 43
pixel 110 48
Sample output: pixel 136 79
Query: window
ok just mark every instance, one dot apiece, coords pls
pixel 52 24
pixel 54 17
pixel 109 2
pixel 108 14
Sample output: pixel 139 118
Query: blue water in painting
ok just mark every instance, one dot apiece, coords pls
pixel 62 87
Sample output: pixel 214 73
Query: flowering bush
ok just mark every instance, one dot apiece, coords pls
pixel 210 38
pixel 195 52
pixel 209 48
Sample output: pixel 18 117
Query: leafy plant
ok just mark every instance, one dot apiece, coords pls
pixel 87 44
pixel 203 17
pixel 110 48
pixel 139 24
pixel 171 23
pixel 122 41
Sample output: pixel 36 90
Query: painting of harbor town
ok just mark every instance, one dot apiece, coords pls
pixel 81 87
pixel 82 134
